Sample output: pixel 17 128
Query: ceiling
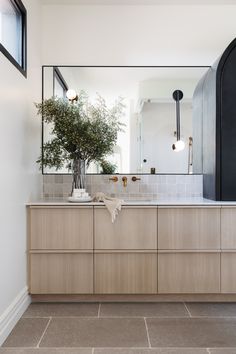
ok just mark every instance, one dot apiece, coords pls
pixel 139 2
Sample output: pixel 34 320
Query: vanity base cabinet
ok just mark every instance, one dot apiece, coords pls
pixel 228 272
pixel 60 249
pixel 61 228
pixel 188 250
pixel 188 273
pixel 228 228
pixel 58 273
pixel 228 249
pixel 125 273
pixel 189 228
pixel 134 228
pixel 125 260
pixel 147 250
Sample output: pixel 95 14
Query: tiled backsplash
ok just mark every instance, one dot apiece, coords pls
pixel 149 187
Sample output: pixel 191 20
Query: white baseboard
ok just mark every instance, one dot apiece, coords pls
pixel 12 314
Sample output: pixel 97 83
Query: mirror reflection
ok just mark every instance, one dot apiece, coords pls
pixel 155 122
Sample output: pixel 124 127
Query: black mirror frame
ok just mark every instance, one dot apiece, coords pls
pixel 109 66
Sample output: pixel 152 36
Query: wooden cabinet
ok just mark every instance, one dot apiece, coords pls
pixel 188 272
pixel 228 228
pixel 60 250
pixel 126 273
pixel 134 228
pixel 228 272
pixel 189 250
pixel 126 251
pixel 61 228
pixel 61 273
pixel 148 250
pixel 189 228
pixel 228 246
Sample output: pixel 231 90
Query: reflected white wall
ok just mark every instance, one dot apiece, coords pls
pixel 158 126
pixel 136 86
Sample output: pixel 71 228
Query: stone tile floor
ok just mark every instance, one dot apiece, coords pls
pixel 124 328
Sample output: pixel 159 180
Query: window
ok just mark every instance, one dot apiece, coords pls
pixel 13 32
pixel 60 86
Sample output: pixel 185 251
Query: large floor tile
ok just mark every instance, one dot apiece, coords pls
pixel 223 351
pixel 192 332
pixel 44 351
pixel 151 351
pixel 97 332
pixel 157 309
pixel 212 309
pixel 26 333
pixel 61 309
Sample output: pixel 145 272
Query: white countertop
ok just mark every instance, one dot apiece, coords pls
pixel 159 202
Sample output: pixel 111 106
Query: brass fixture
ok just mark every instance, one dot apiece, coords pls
pixel 190 155
pixel 134 179
pixel 124 180
pixel 114 179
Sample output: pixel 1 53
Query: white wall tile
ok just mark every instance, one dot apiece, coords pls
pixel 149 187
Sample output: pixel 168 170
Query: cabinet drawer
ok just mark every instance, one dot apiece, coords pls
pixel 189 273
pixel 135 228
pixel 61 273
pixel 228 272
pixel 125 273
pixel 189 228
pixel 228 227
pixel 61 228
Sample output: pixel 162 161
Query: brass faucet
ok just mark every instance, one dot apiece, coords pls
pixel 124 180
pixel 134 179
pixel 114 179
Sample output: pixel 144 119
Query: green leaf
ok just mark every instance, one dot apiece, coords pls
pixel 81 130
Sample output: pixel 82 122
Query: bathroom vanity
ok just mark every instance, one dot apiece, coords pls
pixel 152 248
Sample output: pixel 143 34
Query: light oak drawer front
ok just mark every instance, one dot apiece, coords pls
pixel 228 272
pixel 127 273
pixel 61 228
pixel 189 228
pixel 134 228
pixel 188 273
pixel 228 228
pixel 61 273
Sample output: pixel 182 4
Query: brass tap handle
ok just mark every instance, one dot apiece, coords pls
pixel 114 179
pixel 134 179
pixel 124 180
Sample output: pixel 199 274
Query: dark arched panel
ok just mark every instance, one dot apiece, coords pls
pixel 218 122
pixel 226 119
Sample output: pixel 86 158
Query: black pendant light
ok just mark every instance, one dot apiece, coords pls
pixel 179 145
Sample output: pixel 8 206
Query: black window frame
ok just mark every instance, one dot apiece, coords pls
pixel 57 75
pixel 23 67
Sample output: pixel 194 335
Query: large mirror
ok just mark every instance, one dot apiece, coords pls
pixel 145 145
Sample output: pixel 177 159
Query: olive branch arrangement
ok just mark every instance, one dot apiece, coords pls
pixel 80 130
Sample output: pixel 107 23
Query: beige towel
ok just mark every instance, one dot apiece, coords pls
pixel 113 204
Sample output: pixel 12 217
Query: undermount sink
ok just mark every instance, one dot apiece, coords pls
pixel 137 200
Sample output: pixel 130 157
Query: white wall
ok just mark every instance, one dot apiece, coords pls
pixel 101 35
pixel 20 178
pixel 136 35
pixel 158 127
